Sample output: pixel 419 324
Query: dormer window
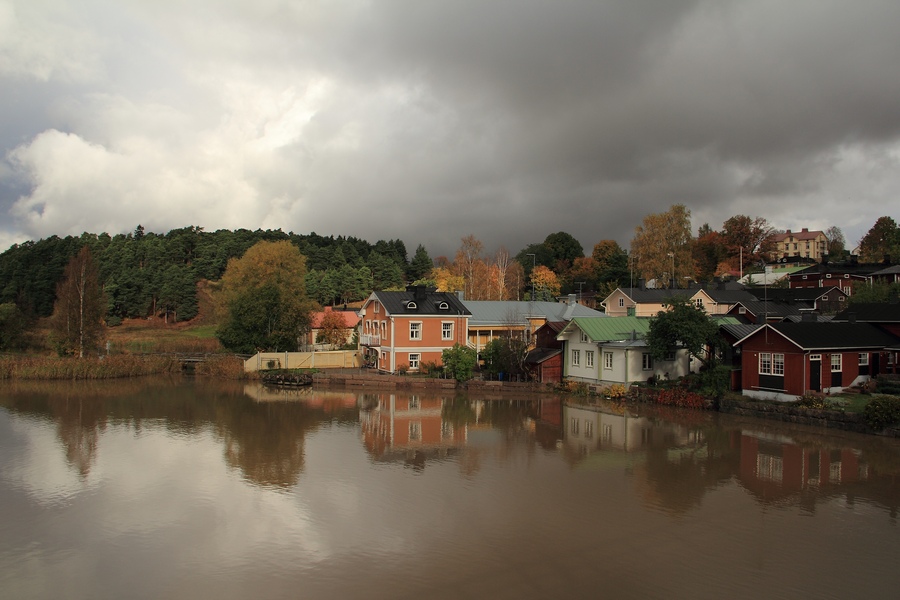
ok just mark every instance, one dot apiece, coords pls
pixel 411 305
pixel 443 306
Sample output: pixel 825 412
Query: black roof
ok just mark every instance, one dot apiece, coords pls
pixel 806 296
pixel 539 355
pixel 871 312
pixel 770 308
pixel 833 336
pixel 423 301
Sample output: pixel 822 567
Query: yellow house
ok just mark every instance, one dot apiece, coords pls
pixel 805 243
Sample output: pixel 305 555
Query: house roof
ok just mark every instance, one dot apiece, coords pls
pixel 424 301
pixel 814 335
pixel 741 330
pixel 511 312
pixel 778 309
pixel 803 235
pixel 806 295
pixel 871 312
pixel 610 328
pixel 539 355
pixel 351 317
pixel 729 292
pixel 888 271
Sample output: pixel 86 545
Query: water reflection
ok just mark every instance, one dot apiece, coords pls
pixel 677 457
pixel 190 488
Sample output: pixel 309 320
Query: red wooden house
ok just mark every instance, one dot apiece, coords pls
pixel 785 360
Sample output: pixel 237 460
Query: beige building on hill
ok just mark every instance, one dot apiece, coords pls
pixel 803 243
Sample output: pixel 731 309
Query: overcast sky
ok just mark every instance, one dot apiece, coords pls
pixel 429 121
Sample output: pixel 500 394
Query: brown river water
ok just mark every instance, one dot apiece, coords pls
pixel 187 488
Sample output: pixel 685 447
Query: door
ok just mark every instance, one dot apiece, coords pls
pixel 815 372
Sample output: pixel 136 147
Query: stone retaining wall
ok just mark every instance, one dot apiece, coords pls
pixel 368 379
pixel 833 419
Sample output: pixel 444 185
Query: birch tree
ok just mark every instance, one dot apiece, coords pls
pixel 662 246
pixel 76 325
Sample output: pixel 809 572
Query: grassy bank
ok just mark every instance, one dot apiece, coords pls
pixel 111 367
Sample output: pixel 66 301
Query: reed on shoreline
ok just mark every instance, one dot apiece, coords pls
pixel 224 366
pixel 110 367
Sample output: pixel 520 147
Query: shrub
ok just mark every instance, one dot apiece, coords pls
pixel 430 368
pixel 616 390
pixel 882 411
pixel 680 397
pixel 812 399
pixel 459 362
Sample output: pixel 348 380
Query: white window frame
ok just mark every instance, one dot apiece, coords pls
pixel 576 358
pixel 589 359
pixel 414 359
pixel 377 307
pixel 584 338
pixel 446 330
pixel 621 302
pixel 588 428
pixel 836 363
pixel 864 359
pixel 765 363
pixel 415 431
pixel 574 426
pixel 646 362
pixel 608 361
pixel 778 364
pixel 415 330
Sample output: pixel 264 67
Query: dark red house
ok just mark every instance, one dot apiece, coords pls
pixel 782 361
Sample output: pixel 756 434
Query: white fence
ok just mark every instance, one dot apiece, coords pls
pixel 333 359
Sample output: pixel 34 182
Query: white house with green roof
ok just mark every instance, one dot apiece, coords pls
pixel 610 350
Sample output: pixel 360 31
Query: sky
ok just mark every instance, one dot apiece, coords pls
pixel 428 121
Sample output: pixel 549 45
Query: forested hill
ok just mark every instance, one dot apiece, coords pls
pixel 145 273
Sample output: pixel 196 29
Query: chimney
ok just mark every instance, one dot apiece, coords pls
pixel 787 230
pixel 641 283
pixel 461 294
pixel 571 301
pixel 805 230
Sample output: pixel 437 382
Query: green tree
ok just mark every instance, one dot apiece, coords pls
pixel 504 355
pixel 684 325
pixel 420 265
pixel 610 262
pixel 263 296
pixel 563 249
pixel 12 327
pixel 459 362
pixel 77 322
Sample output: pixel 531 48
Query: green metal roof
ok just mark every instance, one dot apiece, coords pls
pixel 611 328
pixel 622 328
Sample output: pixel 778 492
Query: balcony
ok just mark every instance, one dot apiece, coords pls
pixel 367 339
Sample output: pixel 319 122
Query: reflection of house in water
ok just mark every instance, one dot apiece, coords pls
pixel 411 427
pixel 774 467
pixel 612 427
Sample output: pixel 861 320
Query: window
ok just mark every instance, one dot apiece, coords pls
pixel 778 364
pixel 607 360
pixel 413 361
pixel 383 328
pixel 588 429
pixel 415 330
pixel 443 306
pixel 670 356
pixel 415 431
pixel 765 363
pixel 414 403
pixel 576 358
pixel 589 358
pixel 835 363
pixel 447 330
pixel 864 359
pixel 607 433
pixel 698 302
pixel 742 310
pixel 377 308
pixel 411 305
pixel 646 361
pixel 574 426
pixel 621 302
pixel 368 326
pixel 847 290
pixel 584 337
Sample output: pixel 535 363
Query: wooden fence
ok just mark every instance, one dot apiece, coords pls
pixel 332 359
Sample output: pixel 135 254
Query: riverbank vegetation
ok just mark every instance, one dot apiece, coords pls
pixel 108 367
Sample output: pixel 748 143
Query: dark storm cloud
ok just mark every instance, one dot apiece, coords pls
pixel 429 121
